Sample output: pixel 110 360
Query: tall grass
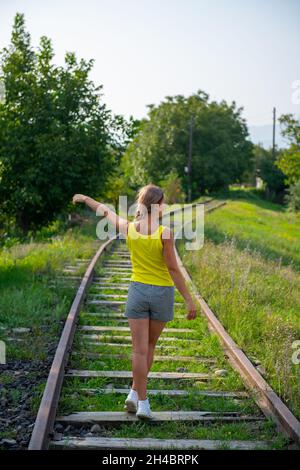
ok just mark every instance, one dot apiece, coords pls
pixel 241 274
pixel 27 298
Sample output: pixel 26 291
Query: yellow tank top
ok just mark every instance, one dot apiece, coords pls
pixel 146 253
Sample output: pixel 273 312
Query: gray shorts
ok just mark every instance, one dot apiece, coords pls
pixel 150 301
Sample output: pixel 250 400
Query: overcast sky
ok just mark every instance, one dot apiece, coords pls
pixel 144 50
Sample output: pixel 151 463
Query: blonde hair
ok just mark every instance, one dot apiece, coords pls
pixel 146 196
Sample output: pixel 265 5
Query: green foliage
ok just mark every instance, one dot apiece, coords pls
pixel 265 167
pixel 116 186
pixel 293 197
pixel 172 188
pixel 221 151
pixel 56 135
pixel 289 160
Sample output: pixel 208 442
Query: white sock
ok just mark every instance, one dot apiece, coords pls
pixel 133 394
pixel 144 402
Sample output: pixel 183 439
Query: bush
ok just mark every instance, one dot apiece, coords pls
pixel 172 188
pixel 293 197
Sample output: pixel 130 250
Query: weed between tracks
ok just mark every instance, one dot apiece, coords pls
pixel 84 394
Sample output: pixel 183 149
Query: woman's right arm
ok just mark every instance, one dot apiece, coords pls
pixel 101 209
pixel 175 273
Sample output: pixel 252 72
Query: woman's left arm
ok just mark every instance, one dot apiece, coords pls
pixel 120 223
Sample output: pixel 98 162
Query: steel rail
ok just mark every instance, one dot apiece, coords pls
pixel 47 411
pixel 44 422
pixel 264 396
pixel 45 418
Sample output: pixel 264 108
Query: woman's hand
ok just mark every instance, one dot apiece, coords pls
pixel 78 198
pixel 192 309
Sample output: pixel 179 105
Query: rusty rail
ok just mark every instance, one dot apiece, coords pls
pixel 48 406
pixel 47 411
pixel 265 397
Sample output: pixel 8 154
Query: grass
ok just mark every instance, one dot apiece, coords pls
pixel 33 296
pixel 111 402
pixel 247 271
pixel 75 396
pixel 228 431
pixel 255 296
pixel 31 293
pixel 257 225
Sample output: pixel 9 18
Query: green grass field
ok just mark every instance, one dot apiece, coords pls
pixel 261 226
pixel 248 272
pixel 31 294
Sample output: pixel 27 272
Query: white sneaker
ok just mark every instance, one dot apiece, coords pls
pixel 131 401
pixel 144 411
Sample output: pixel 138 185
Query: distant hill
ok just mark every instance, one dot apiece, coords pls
pixel 263 135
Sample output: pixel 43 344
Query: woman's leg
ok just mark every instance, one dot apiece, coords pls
pixel 140 334
pixel 155 329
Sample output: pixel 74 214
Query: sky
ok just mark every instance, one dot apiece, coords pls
pixel 144 50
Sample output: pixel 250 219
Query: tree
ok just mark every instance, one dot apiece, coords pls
pixel 56 135
pixel 172 188
pixel 293 197
pixel 265 167
pixel 289 160
pixel 221 150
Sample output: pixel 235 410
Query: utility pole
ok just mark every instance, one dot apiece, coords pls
pixel 189 167
pixel 274 131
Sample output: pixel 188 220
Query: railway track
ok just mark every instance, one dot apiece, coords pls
pixel 201 392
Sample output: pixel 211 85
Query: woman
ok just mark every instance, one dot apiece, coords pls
pixel 150 301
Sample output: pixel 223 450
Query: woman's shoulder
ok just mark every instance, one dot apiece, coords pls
pixel 132 229
pixel 166 232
